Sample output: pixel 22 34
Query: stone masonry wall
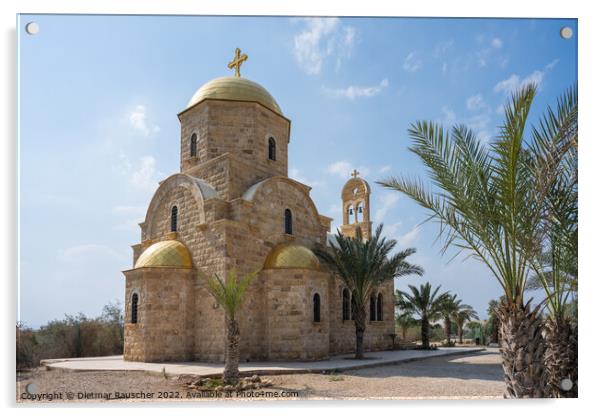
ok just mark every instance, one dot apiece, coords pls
pixel 165 328
pixel 239 128
pixel 290 332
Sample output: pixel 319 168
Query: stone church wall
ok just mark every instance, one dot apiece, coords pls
pixel 377 334
pixel 291 333
pixel 165 327
pixel 239 128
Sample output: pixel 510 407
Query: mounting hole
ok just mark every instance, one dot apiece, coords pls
pixel 566 384
pixel 32 28
pixel 566 32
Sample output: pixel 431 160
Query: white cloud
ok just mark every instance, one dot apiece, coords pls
pixel 385 203
pixel 475 102
pixel 138 120
pixel 450 116
pixel 514 82
pixel 412 63
pixel 296 174
pixel 344 169
pixel 129 210
pixel 321 38
pixel 385 169
pixel 341 168
pixel 496 43
pixel 353 91
pixel 84 252
pixel 146 176
pixel 408 238
pixel 552 64
pixel 508 85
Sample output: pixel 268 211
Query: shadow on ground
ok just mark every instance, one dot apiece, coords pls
pixel 485 365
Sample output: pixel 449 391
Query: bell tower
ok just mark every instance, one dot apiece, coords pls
pixel 356 207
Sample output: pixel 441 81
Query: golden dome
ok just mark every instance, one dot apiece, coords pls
pixel 291 256
pixel 236 89
pixel 170 253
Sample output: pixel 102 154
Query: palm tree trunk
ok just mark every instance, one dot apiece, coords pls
pixel 560 357
pixel 425 327
pixel 231 374
pixel 360 328
pixel 447 323
pixel 461 332
pixel 522 349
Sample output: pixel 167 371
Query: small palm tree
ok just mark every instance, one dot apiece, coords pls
pixel 229 295
pixel 424 302
pixel 363 265
pixel 464 314
pixel 449 307
pixel 405 320
pixel 495 323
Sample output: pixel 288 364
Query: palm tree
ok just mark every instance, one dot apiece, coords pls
pixel 554 160
pixel 363 265
pixel 490 201
pixel 449 306
pixel 229 295
pixel 424 302
pixel 464 314
pixel 495 325
pixel 405 321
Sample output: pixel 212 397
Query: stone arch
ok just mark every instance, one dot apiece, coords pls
pixel 255 189
pixel 199 189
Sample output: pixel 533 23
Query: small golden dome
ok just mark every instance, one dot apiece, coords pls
pixel 170 253
pixel 236 89
pixel 291 256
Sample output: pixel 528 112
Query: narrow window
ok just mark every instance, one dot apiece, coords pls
pixel 272 149
pixel 379 307
pixel 288 221
pixel 372 308
pixel 193 145
pixel 316 308
pixel 346 304
pixel 135 308
pixel 174 218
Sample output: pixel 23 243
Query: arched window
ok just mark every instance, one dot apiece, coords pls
pixel 372 308
pixel 135 308
pixel 174 218
pixel 316 308
pixel 346 304
pixel 360 212
pixel 193 145
pixel 350 215
pixel 379 307
pixel 288 221
pixel 272 148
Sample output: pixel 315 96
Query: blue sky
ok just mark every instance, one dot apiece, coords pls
pixel 98 128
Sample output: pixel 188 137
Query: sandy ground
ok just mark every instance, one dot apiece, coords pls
pixel 477 375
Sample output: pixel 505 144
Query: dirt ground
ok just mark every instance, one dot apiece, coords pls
pixel 477 375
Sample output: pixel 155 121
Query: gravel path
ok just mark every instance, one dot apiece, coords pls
pixel 477 375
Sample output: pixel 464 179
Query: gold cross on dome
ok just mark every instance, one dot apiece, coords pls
pixel 355 173
pixel 237 61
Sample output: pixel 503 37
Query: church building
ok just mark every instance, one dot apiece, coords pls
pixel 232 205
